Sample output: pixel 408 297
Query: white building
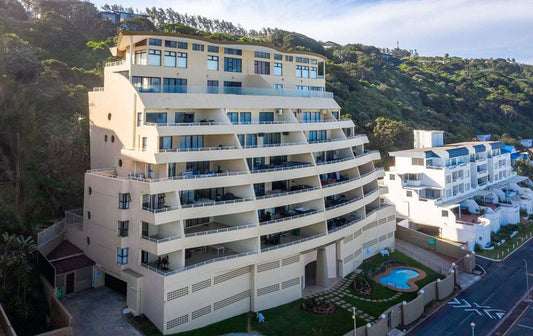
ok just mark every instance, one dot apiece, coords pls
pixel 461 191
pixel 224 180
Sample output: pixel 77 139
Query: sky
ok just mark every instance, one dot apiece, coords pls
pixel 470 29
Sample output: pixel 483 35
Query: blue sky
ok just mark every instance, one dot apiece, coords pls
pixel 475 28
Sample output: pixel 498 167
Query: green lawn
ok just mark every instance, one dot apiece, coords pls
pixel 290 320
pixel 509 246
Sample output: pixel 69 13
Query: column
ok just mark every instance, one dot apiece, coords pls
pixel 321 268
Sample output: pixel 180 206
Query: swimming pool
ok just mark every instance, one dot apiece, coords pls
pixel 398 278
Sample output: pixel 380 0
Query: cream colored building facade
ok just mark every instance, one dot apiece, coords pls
pixel 223 180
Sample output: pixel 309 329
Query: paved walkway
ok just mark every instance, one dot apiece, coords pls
pixel 98 312
pixel 437 262
pixel 341 289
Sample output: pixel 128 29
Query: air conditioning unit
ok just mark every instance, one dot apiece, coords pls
pixel 285 133
pixel 261 134
pixel 279 111
pixel 299 111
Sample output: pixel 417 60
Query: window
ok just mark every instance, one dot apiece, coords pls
pixel 140 57
pixel 305 71
pixel 316 88
pixel 212 49
pixel 182 60
pixel 313 73
pixel 322 135
pixel 196 221
pixel 183 117
pixel 174 85
pixel 417 161
pixel 172 169
pixel 262 68
pixel 154 57
pixel 198 167
pixel 154 42
pixel 260 54
pixel 266 116
pixel 444 213
pixel 123 228
pixel 171 44
pixel 288 58
pixel 183 45
pixel 232 64
pixel 272 138
pixel 302 87
pixel 146 84
pixel 278 69
pixel 233 117
pixel 312 136
pixel 448 179
pixel 212 62
pixel 313 61
pixel 231 51
pixel 278 57
pixel 197 47
pixel 392 177
pixel 278 86
pixel 232 87
pixel 409 193
pixel 251 139
pixel 240 137
pixel 169 59
pixel 165 142
pixel 157 118
pixel 298 71
pixel 245 117
pixel 212 86
pixel 144 257
pixel 124 201
pixel 302 60
pixel 122 256
pixel 192 142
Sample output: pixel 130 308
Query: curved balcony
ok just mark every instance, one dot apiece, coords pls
pixel 293 242
pixel 283 198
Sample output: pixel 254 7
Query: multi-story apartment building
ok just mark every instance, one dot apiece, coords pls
pixel 223 180
pixel 461 191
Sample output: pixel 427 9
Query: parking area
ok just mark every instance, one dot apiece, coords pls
pixel 98 311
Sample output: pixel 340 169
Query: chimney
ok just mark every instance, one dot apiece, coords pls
pixel 426 139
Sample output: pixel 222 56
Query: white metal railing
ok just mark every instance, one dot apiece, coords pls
pixel 270 122
pixel 333 161
pixel 321 121
pixel 281 168
pixel 230 228
pixel 274 145
pixel 210 203
pixel 74 218
pixel 164 209
pixel 161 240
pixel 292 242
pixel 182 269
pixel 286 193
pixel 326 140
pixel 196 123
pixel 352 200
pixel 110 64
pixel 50 232
pixel 377 209
pixel 351 179
pixel 154 180
pixel 357 220
pixel 198 149
pixel 98 89
pixel 291 217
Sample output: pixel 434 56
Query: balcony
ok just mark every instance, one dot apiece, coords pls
pixel 287 165
pixel 213 227
pixel 294 190
pixel 299 212
pixel 284 239
pixel 247 91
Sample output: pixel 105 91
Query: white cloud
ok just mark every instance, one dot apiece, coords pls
pixel 476 28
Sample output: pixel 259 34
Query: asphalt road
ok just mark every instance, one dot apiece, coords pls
pixel 524 326
pixel 494 295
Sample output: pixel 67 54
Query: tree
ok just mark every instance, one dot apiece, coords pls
pixel 389 134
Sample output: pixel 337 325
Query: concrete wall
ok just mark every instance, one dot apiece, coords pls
pixel 61 318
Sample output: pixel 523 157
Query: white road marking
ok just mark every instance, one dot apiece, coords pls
pixel 524 326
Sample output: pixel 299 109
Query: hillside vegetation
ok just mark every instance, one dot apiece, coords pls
pixel 49 61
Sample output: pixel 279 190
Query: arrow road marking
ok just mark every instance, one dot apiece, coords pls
pixel 477 308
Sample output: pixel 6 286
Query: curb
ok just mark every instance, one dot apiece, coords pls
pixel 500 260
pixel 509 313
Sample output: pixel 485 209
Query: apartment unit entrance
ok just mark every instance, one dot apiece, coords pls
pixel 310 274
pixel 69 283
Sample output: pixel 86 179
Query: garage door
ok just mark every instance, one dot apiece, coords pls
pixel 116 284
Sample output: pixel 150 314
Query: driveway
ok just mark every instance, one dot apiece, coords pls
pixel 98 311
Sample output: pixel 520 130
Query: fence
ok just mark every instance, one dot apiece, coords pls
pixel 60 317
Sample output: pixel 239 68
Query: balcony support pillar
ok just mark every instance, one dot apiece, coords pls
pixel 321 268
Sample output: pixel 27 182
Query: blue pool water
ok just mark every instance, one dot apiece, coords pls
pixel 398 278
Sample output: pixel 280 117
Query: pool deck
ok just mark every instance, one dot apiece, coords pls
pixel 411 282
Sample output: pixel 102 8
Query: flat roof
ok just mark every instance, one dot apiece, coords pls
pixel 208 40
pixel 414 151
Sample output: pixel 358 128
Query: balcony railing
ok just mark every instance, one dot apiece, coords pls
pixel 196 123
pixel 161 240
pixel 249 91
pixel 182 269
pixel 111 172
pixel 350 179
pixel 198 149
pixel 210 203
pixel 283 219
pixel 352 200
pixel 275 145
pixel 116 63
pixel 163 209
pixel 230 228
pixel 320 163
pixel 286 193
pixel 337 228
pixel 292 242
pixel 264 170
